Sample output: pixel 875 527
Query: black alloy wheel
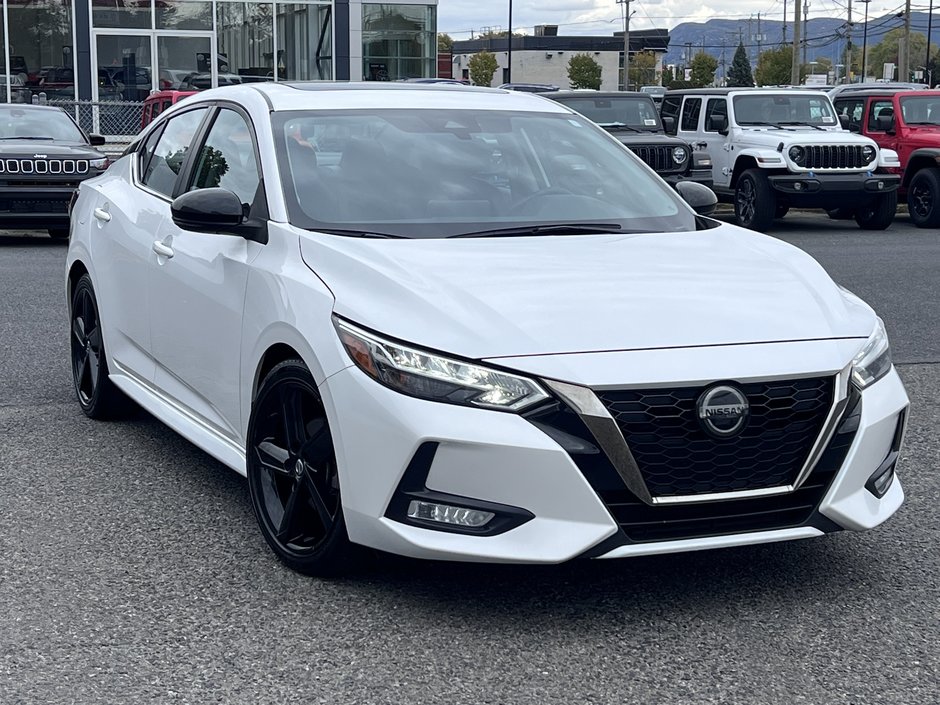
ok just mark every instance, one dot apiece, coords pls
pixel 755 202
pixel 97 394
pixel 923 198
pixel 292 474
pixel 878 213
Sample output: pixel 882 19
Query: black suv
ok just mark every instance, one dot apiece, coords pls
pixel 43 157
pixel 634 120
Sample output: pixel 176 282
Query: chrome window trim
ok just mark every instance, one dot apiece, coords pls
pixel 609 437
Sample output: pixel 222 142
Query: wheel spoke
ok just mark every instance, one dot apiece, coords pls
pixel 318 503
pixel 82 371
pixel 318 448
pixel 293 418
pixel 78 330
pixel 94 338
pixel 272 457
pixel 93 369
pixel 287 529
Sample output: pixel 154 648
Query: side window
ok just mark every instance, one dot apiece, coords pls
pixel 852 110
pixel 690 113
pixel 170 152
pixel 670 108
pixel 227 158
pixel 878 108
pixel 717 108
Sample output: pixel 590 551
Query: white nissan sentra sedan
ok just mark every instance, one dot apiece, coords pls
pixel 468 324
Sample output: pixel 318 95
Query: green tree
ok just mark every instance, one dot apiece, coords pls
pixel 773 66
pixel 669 77
pixel 445 43
pixel 703 70
pixel 482 68
pixel 584 72
pixel 739 75
pixel 886 52
pixel 643 70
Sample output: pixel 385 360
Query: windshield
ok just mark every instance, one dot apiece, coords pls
pixel 639 113
pixel 921 110
pixel 778 109
pixel 18 123
pixel 440 173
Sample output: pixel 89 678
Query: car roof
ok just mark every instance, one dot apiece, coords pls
pixel 29 106
pixel 884 92
pixel 555 95
pixel 337 95
pixel 755 91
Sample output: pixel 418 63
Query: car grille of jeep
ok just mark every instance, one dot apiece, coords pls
pixel 659 158
pixel 837 156
pixel 676 456
pixel 49 167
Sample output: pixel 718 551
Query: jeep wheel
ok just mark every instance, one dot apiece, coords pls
pixel 923 198
pixel 878 213
pixel 755 202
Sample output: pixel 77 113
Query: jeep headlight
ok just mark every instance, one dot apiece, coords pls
pixel 874 360
pixel 869 153
pixel 428 375
pixel 98 163
pixel 797 154
pixel 680 154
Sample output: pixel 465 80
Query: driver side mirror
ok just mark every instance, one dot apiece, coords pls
pixel 96 140
pixel 719 124
pixel 702 199
pixel 208 210
pixel 844 122
pixel 885 123
pixel 669 125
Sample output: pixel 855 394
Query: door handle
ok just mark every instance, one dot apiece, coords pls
pixel 162 250
pixel 102 214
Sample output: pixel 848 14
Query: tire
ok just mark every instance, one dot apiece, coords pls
pixel 59 233
pixel 781 211
pixel 923 198
pixel 96 393
pixel 878 213
pixel 754 201
pixel 292 476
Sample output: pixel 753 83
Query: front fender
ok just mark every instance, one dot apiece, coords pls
pixel 764 158
pixel 923 158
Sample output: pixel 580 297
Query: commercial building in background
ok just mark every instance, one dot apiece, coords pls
pixel 121 50
pixel 543 57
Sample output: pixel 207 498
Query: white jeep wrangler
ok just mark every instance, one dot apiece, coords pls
pixel 773 149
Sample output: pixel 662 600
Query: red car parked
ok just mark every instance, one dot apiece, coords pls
pixel 159 101
pixel 909 123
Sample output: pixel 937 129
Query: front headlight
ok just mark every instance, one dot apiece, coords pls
pixel 874 360
pixel 679 154
pixel 868 153
pixel 98 163
pixel 797 153
pixel 427 375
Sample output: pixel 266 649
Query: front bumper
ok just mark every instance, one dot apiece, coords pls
pixel 508 461
pixel 832 190
pixel 35 207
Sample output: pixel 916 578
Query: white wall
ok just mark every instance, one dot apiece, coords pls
pixel 549 67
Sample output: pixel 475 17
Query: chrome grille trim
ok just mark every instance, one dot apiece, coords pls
pixel 44 166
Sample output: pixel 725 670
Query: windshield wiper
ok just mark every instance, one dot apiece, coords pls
pixel 617 126
pixel 27 137
pixel 761 124
pixel 358 233
pixel 807 124
pixel 551 229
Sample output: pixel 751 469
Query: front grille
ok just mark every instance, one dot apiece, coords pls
pixel 677 457
pixel 658 157
pixel 43 166
pixel 836 156
pixel 33 205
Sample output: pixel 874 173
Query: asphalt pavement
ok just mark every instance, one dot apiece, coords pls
pixel 131 569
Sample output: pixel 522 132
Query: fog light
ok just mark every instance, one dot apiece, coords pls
pixel 798 186
pixel 447 514
pixel 880 482
pixel 881 185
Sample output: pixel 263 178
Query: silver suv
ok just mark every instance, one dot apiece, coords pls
pixel 776 149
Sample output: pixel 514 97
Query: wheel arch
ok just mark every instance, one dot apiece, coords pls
pixel 928 158
pixel 742 164
pixel 76 271
pixel 273 356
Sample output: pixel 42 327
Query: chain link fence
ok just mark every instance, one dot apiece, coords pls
pixel 118 121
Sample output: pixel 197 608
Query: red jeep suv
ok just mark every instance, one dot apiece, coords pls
pixel 909 123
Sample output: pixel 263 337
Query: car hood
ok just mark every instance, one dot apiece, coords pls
pixel 518 296
pixel 47 148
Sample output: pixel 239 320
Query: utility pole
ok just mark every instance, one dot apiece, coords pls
pixel 509 46
pixel 904 63
pixel 806 27
pixel 784 43
pixel 865 44
pixel 760 38
pixel 848 46
pixel 927 77
pixel 626 42
pixel 795 65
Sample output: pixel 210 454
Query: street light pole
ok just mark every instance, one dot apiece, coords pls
pixel 929 30
pixel 626 43
pixel 509 52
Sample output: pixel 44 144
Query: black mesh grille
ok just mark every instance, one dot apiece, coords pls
pixel 658 157
pixel 677 457
pixel 835 156
pixel 34 205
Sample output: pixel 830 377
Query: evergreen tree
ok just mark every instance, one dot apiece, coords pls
pixel 739 75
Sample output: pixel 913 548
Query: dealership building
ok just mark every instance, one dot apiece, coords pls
pixel 121 50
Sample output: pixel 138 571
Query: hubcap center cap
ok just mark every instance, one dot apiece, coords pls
pixel 299 468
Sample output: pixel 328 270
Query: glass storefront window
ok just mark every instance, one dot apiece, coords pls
pixel 40 50
pixel 184 14
pixel 121 14
pixel 245 35
pixel 184 63
pixel 398 41
pixel 304 42
pixel 124 67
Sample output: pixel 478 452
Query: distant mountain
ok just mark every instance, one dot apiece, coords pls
pixel 826 36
